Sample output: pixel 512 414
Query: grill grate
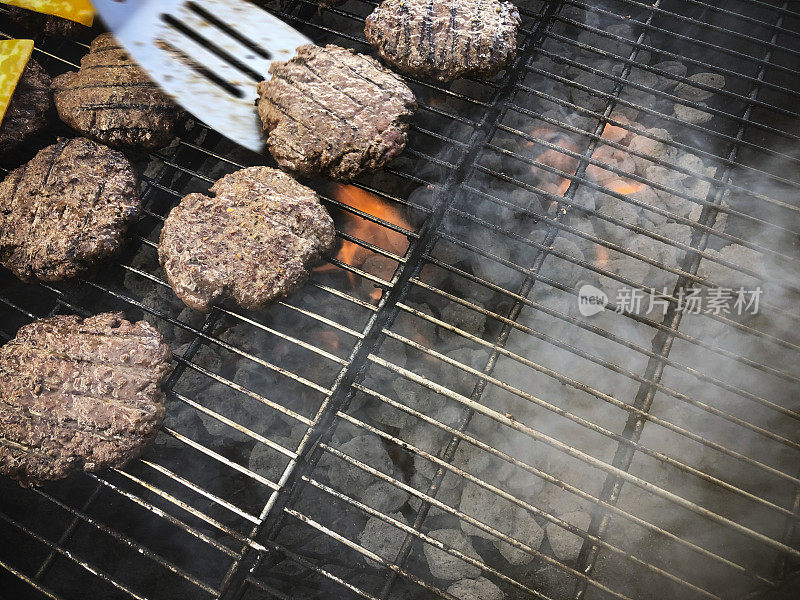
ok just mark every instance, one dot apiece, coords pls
pixel 335 445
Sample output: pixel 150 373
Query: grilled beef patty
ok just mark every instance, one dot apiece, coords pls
pixel 39 22
pixel 66 209
pixel 26 114
pixel 79 394
pixel 113 101
pixel 253 242
pixel 334 112
pixel 445 39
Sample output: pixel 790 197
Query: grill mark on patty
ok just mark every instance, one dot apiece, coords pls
pixel 427 33
pixel 144 108
pixel 360 75
pixel 334 111
pixel 47 351
pixel 56 152
pixel 91 67
pixel 144 85
pixel 361 106
pixel 58 414
pixel 452 32
pixel 68 416
pixel 111 83
pixel 331 113
pixel 453 38
pixel 85 426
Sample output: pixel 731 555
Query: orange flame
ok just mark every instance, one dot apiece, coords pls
pixel 354 255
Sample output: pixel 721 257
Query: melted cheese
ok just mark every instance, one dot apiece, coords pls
pixel 80 11
pixel 14 55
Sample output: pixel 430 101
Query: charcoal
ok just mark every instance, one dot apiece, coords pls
pixel 562 269
pixel 502 515
pixel 674 68
pixel 622 211
pixel 645 78
pixel 613 157
pixel 463 317
pixel 475 589
pixel 446 566
pixel 689 114
pixel 723 276
pixel 384 496
pixel 654 149
pixel 695 94
pixel 367 449
pixel 382 538
pixel 267 462
pixel 567 545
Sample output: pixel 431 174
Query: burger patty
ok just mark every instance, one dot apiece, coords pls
pixel 334 112
pixel 49 24
pixel 79 394
pixel 112 100
pixel 253 242
pixel 445 39
pixel 67 208
pixel 26 114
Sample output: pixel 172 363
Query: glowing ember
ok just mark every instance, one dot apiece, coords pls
pixel 601 256
pixel 360 228
pixel 625 186
pixel 555 158
pixel 616 134
pixel 329 339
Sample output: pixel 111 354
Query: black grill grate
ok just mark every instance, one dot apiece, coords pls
pixel 453 353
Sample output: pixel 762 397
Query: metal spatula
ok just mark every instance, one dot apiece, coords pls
pixel 209 55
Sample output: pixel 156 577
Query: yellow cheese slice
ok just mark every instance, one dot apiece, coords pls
pixel 80 11
pixel 14 55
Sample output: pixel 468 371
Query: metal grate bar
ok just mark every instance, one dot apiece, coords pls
pixel 31 582
pixel 419 535
pixel 67 534
pixel 671 298
pixel 594 427
pixel 670 118
pixel 559 483
pixel 476 522
pixel 702 43
pixel 468 411
pixel 574 321
pixel 685 59
pixel 511 422
pixel 168 517
pixel 669 142
pixel 402 280
pixel 778 29
pixel 367 553
pixel 79 561
pixel 656 161
pixel 644 398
